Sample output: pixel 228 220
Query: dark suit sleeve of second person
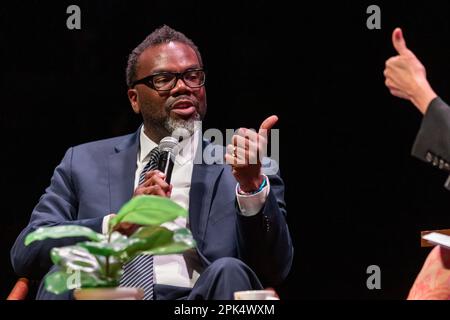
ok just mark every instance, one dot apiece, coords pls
pixel 264 241
pixel 58 206
pixel 432 143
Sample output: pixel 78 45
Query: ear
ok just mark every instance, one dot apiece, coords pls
pixel 134 100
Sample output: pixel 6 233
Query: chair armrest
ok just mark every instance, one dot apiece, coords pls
pixel 20 290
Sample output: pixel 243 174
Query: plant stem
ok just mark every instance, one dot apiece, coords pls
pixel 107 267
pixel 107 258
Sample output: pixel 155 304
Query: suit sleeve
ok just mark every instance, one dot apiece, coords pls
pixel 264 241
pixel 58 206
pixel 432 143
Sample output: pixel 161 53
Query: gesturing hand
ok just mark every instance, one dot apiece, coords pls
pixel 406 76
pixel 154 184
pixel 245 154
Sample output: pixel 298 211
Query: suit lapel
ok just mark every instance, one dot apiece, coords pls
pixel 202 192
pixel 122 170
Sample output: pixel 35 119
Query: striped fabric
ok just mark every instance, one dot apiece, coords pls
pixel 138 273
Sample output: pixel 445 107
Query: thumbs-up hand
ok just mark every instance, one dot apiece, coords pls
pixel 406 76
pixel 245 153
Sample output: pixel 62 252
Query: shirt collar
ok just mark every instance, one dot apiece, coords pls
pixel 147 145
pixel 188 147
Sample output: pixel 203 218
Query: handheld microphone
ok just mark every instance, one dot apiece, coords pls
pixel 168 148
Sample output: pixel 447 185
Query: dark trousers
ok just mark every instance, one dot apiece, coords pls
pixel 218 281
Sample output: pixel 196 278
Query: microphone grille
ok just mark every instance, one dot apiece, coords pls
pixel 169 144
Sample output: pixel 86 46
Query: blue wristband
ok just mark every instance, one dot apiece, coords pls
pixel 263 184
pixel 261 187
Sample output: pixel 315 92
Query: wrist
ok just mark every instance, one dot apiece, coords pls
pixel 424 97
pixel 254 186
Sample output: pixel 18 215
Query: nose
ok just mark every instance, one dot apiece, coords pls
pixel 180 88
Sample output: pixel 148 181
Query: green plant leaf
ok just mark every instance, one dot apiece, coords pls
pixel 56 282
pixel 107 249
pixel 75 258
pixel 176 241
pixel 146 238
pixel 182 240
pixel 149 210
pixel 114 269
pixel 121 245
pixel 63 232
pixel 149 232
pixel 61 281
pixel 156 238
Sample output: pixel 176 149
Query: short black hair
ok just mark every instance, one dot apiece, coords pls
pixel 164 34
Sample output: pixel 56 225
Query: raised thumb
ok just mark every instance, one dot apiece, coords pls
pixel 399 42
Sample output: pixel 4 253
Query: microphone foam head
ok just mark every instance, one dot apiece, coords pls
pixel 169 144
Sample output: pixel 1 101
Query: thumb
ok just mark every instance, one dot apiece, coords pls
pixel 268 123
pixel 399 42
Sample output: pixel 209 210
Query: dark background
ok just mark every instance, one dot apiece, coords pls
pixel 355 195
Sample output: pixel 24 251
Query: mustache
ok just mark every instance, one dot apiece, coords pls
pixel 170 103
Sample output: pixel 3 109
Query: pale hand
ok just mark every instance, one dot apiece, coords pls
pixel 406 76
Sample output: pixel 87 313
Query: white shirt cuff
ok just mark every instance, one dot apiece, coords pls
pixel 250 205
pixel 106 222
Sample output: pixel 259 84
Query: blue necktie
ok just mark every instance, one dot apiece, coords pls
pixel 138 273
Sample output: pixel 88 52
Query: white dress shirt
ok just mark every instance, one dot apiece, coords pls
pixel 172 269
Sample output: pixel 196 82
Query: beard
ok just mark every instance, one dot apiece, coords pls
pixel 160 123
pixel 163 124
pixel 180 125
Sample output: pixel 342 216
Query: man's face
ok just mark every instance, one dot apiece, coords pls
pixel 164 111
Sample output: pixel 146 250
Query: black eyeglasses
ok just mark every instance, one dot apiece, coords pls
pixel 166 81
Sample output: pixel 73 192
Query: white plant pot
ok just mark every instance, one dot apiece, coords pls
pixel 119 293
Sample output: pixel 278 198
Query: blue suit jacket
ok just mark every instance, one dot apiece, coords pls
pixel 97 178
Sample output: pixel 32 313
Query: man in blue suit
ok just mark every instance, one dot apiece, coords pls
pixel 237 214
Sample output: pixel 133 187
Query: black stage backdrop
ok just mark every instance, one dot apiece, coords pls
pixel 355 195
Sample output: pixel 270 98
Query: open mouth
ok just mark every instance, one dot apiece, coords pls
pixel 184 108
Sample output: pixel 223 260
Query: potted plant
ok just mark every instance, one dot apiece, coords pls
pixel 94 267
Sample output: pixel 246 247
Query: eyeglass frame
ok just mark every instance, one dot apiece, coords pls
pixel 148 80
